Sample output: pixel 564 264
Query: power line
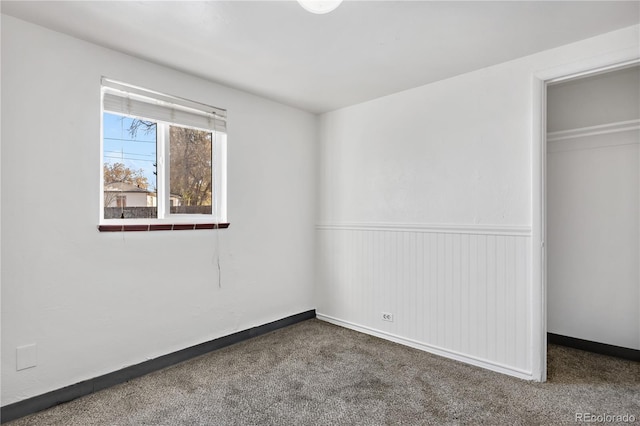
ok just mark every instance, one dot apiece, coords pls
pixel 130 153
pixel 129 158
pixel 129 140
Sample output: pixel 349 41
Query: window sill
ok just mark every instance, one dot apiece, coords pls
pixel 162 227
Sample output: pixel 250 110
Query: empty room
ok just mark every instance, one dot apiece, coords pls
pixel 320 212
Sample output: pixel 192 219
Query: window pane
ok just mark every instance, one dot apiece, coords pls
pixel 190 171
pixel 129 152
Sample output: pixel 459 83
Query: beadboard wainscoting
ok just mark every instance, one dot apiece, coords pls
pixel 460 291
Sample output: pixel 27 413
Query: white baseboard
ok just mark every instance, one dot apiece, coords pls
pixel 489 365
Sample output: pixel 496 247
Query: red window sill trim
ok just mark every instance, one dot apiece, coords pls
pixel 162 227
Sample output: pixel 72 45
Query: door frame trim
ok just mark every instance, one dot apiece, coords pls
pixel 541 79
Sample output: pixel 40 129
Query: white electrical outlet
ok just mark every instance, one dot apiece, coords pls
pixel 386 316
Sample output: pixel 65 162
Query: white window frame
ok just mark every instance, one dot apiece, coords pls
pixel 217 128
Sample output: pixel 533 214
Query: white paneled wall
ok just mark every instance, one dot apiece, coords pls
pixel 459 291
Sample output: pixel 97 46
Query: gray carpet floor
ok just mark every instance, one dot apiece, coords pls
pixel 314 373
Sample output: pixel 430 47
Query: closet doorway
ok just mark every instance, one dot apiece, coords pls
pixel 593 211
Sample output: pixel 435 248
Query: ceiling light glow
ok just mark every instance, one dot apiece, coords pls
pixel 319 6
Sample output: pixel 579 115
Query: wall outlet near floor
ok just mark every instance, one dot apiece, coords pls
pixel 386 316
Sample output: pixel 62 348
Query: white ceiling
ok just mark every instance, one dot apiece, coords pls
pixel 360 51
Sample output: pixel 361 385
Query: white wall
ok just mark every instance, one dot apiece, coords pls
pixel 603 99
pixel 426 211
pixel 593 192
pixel 97 302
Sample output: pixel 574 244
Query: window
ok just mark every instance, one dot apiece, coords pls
pixel 163 161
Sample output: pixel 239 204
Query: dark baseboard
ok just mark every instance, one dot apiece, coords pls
pixel 600 348
pixel 66 394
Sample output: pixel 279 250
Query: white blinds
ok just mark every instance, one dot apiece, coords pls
pixel 125 99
